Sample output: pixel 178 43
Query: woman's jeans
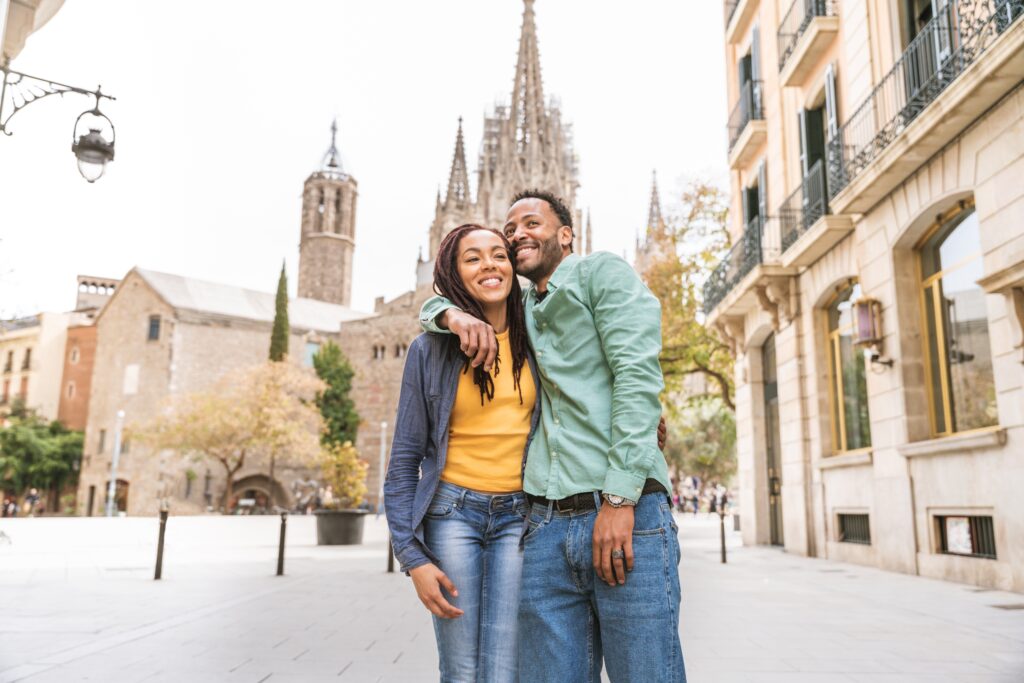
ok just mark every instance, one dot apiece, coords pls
pixel 569 620
pixel 476 538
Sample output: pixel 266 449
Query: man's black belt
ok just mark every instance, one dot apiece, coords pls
pixel 585 501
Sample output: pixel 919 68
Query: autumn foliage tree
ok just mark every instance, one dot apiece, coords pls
pixel 696 237
pixel 245 419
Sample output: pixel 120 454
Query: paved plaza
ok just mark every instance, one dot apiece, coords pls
pixel 79 604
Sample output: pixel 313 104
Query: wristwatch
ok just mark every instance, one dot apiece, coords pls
pixel 617 501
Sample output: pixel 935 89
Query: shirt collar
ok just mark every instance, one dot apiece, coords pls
pixel 561 272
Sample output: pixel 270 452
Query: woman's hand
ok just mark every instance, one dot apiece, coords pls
pixel 429 580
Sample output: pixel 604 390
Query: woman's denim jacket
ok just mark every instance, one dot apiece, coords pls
pixel 418 451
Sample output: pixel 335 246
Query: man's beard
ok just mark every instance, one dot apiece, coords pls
pixel 549 254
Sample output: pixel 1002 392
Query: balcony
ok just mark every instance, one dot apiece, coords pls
pixel 747 128
pixel 805 33
pixel 738 14
pixel 749 264
pixel 972 54
pixel 807 229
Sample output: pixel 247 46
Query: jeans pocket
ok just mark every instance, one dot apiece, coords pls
pixel 441 507
pixel 535 522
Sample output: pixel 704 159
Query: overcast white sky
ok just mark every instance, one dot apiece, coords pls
pixel 224 108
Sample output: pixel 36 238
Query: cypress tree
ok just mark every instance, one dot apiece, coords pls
pixel 336 407
pixel 279 335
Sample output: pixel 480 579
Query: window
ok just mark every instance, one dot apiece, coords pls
pixel 23 389
pixel 26 362
pixel 379 351
pixel 400 350
pixel 973 536
pixel 71 390
pixel 6 395
pixel 854 528
pixel 847 381
pixel 958 356
pixel 75 356
pixel 102 442
pixel 125 445
pixel 154 328
pixel 9 364
pixel 312 348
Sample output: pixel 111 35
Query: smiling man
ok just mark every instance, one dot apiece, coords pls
pixel 600 578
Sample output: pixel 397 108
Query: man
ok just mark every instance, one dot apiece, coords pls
pixel 600 574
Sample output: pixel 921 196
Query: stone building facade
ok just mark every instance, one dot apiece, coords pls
pixel 31 361
pixel 874 295
pixel 164 335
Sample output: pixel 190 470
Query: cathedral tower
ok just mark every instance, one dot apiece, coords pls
pixel 328 231
pixel 657 242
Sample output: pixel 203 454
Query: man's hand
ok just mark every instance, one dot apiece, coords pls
pixel 662 434
pixel 476 338
pixel 429 580
pixel 613 530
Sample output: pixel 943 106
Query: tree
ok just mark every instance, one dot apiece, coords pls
pixel 697 236
pixel 280 331
pixel 341 421
pixel 345 473
pixel 35 453
pixel 702 440
pixel 246 418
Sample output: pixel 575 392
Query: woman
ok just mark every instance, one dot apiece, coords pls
pixel 453 492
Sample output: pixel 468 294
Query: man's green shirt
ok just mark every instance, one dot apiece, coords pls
pixel 596 336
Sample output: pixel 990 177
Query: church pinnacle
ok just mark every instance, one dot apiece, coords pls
pixel 528 115
pixel 655 221
pixel 458 179
pixel 332 158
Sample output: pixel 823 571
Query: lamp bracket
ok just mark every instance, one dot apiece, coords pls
pixel 18 90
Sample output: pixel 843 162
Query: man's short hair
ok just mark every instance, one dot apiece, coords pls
pixel 555 202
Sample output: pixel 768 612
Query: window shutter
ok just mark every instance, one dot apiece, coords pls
pixel 755 53
pixel 762 192
pixel 831 102
pixel 804 142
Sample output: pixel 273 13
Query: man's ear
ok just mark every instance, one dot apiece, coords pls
pixel 565 236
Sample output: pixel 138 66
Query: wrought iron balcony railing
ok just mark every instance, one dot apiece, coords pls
pixel 803 208
pixel 948 44
pixel 740 260
pixel 796 21
pixel 730 9
pixel 748 108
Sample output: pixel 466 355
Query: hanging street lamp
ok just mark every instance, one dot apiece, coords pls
pixel 89 141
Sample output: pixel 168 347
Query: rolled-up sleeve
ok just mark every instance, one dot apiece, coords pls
pixel 628 320
pixel 407 451
pixel 433 307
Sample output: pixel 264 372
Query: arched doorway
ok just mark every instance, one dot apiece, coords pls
pixel 254 495
pixel 120 495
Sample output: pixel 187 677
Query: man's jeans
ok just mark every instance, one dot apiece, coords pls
pixel 476 538
pixel 568 618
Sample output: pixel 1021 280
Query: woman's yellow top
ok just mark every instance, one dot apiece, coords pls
pixel 486 442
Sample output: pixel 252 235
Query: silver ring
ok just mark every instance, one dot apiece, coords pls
pixel 617 554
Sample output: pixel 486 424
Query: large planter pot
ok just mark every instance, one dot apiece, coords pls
pixel 339 527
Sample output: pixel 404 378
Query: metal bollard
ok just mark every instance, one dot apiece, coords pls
pixel 721 525
pixel 280 547
pixel 160 546
pixel 391 556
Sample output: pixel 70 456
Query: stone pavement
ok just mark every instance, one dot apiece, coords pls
pixel 79 604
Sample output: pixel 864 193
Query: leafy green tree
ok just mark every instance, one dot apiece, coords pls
pixel 702 441
pixel 35 453
pixel 336 406
pixel 279 334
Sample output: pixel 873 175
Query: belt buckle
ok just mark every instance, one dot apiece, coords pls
pixel 569 502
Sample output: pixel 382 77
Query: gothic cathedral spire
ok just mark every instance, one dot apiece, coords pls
pixel 458 179
pixel 328 230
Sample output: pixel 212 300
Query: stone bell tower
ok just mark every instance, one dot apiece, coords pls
pixel 328 230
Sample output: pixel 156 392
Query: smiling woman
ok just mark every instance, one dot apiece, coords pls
pixel 453 492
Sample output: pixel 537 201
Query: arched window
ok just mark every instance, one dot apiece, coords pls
pixel 847 382
pixel 958 355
